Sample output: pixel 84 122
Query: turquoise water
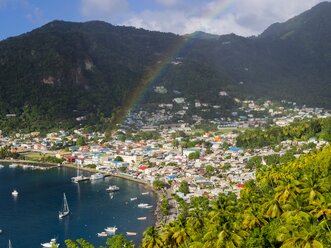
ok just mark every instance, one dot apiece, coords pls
pixel 32 217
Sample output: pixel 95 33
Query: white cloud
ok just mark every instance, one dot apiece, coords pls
pixel 35 16
pixel 244 17
pixel 103 9
pixel 256 15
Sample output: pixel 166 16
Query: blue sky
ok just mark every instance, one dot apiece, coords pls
pixel 243 17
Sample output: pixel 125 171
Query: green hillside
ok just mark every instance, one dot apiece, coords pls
pixel 65 70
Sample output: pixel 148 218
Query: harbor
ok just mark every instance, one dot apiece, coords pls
pixel 39 199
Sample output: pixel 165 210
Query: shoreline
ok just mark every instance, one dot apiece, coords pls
pixel 126 177
pixel 20 161
pixel 49 165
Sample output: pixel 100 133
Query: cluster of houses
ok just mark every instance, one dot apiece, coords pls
pixel 165 160
pixel 250 113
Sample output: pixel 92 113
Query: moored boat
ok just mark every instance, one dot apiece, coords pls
pixel 1 166
pixel 78 179
pixel 142 218
pixel 13 165
pixel 113 188
pixel 50 244
pixel 133 198
pixel 131 233
pixel 97 176
pixel 145 193
pixel 102 234
pixel 111 230
pixel 142 205
pixel 14 193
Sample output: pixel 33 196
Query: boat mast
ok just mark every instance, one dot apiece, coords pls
pixel 65 203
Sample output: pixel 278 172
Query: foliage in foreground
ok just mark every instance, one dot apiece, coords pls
pixel 289 205
pixel 116 241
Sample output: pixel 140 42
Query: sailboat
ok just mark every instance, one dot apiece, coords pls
pixel 65 209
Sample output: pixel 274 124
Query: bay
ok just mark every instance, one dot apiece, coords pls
pixel 32 217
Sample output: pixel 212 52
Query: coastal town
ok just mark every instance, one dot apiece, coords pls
pixel 175 159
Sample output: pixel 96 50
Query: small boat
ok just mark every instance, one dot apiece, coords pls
pixel 113 188
pixel 131 233
pixel 142 218
pixel 14 193
pixel 145 193
pixel 97 176
pixel 65 209
pixel 142 205
pixel 111 230
pixel 26 166
pixel 13 165
pixel 133 198
pixel 50 244
pixel 78 179
pixel 102 234
pixel 1 166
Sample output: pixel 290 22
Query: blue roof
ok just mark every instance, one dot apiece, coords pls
pixel 234 149
pixel 171 177
pixel 150 149
pixel 117 162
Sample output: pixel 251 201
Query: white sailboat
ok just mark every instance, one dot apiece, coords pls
pixel 65 209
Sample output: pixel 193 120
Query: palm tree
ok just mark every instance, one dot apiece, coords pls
pixel 228 238
pixel 194 226
pixel 322 210
pixel 180 235
pixel 306 236
pixel 253 218
pixel 272 209
pixel 151 238
pixel 313 188
pixel 287 190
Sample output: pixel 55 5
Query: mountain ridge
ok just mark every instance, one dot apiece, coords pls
pixel 65 70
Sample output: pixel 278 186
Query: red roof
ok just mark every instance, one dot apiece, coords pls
pixel 240 185
pixel 143 167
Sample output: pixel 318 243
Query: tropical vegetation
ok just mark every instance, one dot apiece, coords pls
pixel 299 130
pixel 289 205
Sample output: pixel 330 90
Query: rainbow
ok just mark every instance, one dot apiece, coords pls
pixel 210 12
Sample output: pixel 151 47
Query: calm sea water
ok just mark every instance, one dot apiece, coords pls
pixel 32 217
